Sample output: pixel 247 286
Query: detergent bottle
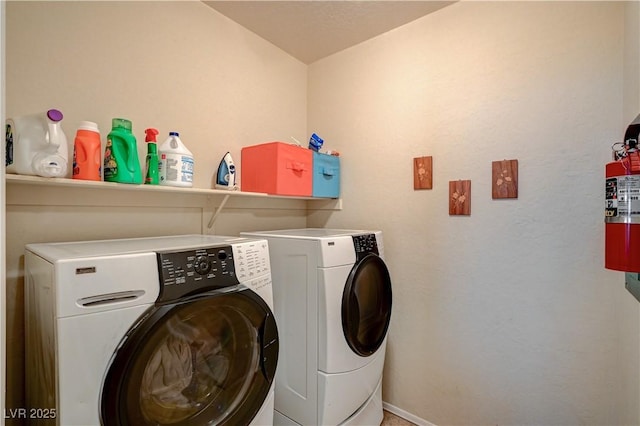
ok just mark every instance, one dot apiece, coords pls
pixel 176 162
pixel 36 145
pixel 87 152
pixel 121 163
pixel 152 174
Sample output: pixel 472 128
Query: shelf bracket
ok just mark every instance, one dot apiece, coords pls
pixel 217 212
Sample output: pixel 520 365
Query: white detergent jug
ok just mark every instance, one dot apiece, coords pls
pixel 176 162
pixel 37 145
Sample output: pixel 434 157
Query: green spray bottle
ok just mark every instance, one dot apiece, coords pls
pixel 121 163
pixel 151 173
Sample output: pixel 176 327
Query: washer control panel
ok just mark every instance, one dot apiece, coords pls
pixel 365 244
pixel 189 272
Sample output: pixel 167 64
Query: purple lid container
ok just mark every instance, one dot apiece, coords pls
pixel 54 115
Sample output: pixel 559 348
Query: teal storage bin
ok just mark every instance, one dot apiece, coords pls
pixel 326 175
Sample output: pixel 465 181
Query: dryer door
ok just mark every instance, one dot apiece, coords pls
pixel 366 305
pixel 209 359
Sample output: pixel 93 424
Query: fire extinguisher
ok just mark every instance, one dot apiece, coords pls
pixel 622 204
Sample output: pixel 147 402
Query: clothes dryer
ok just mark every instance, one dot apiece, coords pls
pixel 151 331
pixel 332 299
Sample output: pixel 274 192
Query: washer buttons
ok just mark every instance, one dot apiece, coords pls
pixel 202 265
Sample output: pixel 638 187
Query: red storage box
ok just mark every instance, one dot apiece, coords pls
pixel 277 168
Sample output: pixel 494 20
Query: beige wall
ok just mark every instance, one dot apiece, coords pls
pixel 506 316
pixel 627 308
pixel 170 65
pixel 631 60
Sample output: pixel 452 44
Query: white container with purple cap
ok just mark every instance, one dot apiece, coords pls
pixel 36 145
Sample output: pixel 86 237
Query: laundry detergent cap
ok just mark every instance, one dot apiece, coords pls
pixel 54 115
pixel 122 123
pixel 89 126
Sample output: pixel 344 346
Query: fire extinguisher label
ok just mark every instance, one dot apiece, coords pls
pixel 622 199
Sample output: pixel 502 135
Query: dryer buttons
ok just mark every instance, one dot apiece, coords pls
pixel 365 244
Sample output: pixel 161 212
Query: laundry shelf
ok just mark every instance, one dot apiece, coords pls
pixel 313 202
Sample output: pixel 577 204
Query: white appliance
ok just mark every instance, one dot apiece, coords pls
pixel 332 298
pixel 151 331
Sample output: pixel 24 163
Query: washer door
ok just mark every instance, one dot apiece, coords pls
pixel 206 360
pixel 366 305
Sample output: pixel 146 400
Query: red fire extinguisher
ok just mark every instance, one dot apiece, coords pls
pixel 622 204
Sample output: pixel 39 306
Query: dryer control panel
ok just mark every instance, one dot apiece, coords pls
pixel 365 244
pixel 189 272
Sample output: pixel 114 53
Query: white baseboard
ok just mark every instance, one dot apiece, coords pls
pixel 406 415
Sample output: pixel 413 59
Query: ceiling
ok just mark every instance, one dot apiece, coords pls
pixel 311 29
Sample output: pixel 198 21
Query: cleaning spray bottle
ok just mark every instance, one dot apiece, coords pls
pixel 121 163
pixel 152 176
pixel 176 162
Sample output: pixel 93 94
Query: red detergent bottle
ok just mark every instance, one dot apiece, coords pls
pixel 87 152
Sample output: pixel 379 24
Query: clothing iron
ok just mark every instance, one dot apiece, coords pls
pixel 226 177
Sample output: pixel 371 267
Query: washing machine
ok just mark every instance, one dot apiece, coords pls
pixel 332 299
pixel 150 331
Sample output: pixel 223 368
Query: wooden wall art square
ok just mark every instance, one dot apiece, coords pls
pixel 423 173
pixel 460 197
pixel 504 179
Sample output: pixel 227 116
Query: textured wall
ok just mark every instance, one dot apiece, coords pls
pixel 627 307
pixel 506 316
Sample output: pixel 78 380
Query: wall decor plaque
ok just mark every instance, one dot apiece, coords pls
pixel 423 173
pixel 460 197
pixel 504 179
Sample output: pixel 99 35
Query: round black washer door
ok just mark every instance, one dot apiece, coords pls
pixel 366 305
pixel 207 360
